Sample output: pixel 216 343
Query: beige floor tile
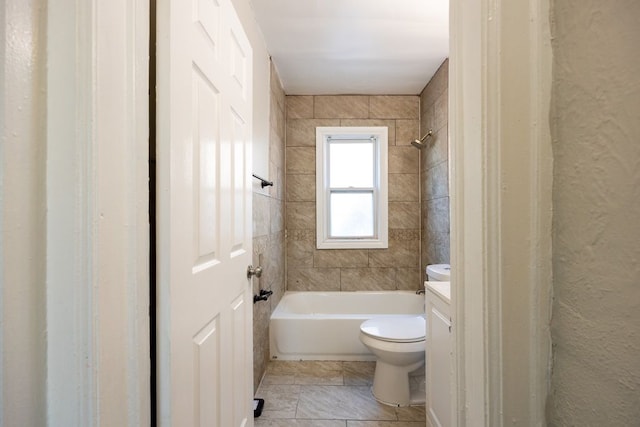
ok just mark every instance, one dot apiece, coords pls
pixel 358 373
pixel 411 413
pixel 299 394
pixel 260 422
pixel 385 424
pixel 341 402
pixel 280 400
pixel 270 379
pixel 306 372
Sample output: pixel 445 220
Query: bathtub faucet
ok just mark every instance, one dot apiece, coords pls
pixel 262 296
pixel 420 291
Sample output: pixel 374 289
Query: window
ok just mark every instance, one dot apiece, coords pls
pixel 351 187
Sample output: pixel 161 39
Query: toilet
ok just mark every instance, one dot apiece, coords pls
pixel 438 272
pixel 398 343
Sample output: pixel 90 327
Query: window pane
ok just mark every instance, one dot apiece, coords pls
pixel 351 164
pixel 351 215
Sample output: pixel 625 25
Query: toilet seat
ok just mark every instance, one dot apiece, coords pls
pixel 395 329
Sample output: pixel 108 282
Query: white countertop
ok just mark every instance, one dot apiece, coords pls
pixel 442 289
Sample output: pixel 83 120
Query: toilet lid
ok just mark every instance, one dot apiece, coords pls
pixel 396 329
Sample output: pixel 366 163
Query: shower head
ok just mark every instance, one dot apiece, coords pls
pixel 419 143
pixel 416 143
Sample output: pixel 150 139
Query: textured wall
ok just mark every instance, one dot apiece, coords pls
pixel 434 169
pixel 268 231
pixel 596 197
pixel 397 267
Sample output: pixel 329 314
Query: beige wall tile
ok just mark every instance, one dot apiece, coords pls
pixel 394 107
pixel 437 181
pixel 427 120
pixel 401 116
pixel 268 242
pixel 361 279
pixel 299 107
pixel 399 254
pixel 276 87
pixel 300 253
pixel 341 107
pixel 301 188
pixel 276 116
pixel 261 215
pixel 441 110
pixel 404 234
pixel 403 187
pixel 407 131
pixel 437 149
pixel 272 263
pixel 341 258
pixel 437 216
pixel 404 215
pixel 434 170
pixel 313 279
pixel 302 132
pixel 301 215
pixel 389 124
pixel 301 160
pixel 439 82
pixel 438 249
pixel 276 214
pixel 409 279
pixel 404 159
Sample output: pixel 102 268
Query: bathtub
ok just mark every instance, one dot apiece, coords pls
pixel 326 325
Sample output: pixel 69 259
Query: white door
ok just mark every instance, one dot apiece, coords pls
pixel 204 302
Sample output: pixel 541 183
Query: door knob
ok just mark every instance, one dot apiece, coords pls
pixel 253 272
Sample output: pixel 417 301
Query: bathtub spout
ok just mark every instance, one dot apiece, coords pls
pixel 420 292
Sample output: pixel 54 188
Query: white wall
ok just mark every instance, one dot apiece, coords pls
pixel 261 85
pixel 596 202
pixel 22 213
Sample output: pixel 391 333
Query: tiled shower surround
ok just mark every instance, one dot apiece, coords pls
pixel 310 269
pixel 268 231
pixel 434 169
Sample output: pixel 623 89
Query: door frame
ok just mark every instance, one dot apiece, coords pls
pixel 499 95
pixel 501 186
pixel 97 241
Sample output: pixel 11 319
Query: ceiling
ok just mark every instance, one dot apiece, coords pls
pixel 366 47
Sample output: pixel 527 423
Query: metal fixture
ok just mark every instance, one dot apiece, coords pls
pixel 253 272
pixel 263 182
pixel 262 296
pixel 419 143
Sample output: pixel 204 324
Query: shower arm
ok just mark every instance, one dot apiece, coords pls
pixel 418 143
pixel 426 135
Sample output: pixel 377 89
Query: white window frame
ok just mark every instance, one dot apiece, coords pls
pixel 381 217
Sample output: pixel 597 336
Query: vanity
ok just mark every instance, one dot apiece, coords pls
pixel 439 363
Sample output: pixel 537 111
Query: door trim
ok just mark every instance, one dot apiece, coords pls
pixel 501 177
pixel 97 216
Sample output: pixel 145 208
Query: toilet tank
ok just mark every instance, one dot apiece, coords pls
pixel 439 273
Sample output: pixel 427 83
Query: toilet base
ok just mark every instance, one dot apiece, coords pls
pixel 391 385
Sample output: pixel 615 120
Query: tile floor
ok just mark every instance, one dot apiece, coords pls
pixel 327 394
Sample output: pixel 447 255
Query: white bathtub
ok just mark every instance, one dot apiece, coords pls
pixel 326 325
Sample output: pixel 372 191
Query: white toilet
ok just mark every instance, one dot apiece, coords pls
pixel 399 346
pixel 438 272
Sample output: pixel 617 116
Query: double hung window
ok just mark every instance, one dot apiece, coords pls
pixel 351 187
